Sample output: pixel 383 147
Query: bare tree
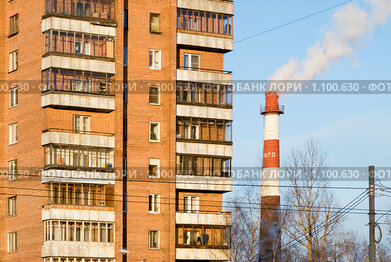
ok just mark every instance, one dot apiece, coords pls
pixel 245 231
pixel 309 223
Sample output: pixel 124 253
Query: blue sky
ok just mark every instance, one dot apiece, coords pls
pixel 354 129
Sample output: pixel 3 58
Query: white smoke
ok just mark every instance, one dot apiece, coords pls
pixel 350 25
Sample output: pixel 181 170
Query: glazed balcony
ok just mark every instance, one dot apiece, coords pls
pixel 78 90
pixel 80 44
pixel 94 10
pixel 80 196
pixel 203 94
pixel 202 242
pixel 205 24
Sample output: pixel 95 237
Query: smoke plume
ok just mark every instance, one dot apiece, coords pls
pixel 350 25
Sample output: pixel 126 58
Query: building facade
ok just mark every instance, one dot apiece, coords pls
pixel 68 127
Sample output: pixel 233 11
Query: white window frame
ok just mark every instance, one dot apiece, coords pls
pixel 156 61
pixel 158 132
pixel 12 169
pixel 190 61
pixel 12 242
pixel 13 133
pixel 155 201
pixel 149 95
pixel 78 123
pixel 13 61
pixel 12 206
pixel 158 239
pixel 13 97
pixel 154 162
pixel 189 200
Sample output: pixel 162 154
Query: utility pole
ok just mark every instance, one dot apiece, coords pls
pixel 372 223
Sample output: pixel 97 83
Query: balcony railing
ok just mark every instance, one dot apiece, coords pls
pixel 55 79
pixel 205 70
pixel 203 173
pixel 74 131
pixel 87 9
pixel 272 109
pixel 220 212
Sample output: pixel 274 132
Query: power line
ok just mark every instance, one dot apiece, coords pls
pixel 293 21
pixel 189 182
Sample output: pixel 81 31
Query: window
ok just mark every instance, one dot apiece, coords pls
pixel 191 204
pixel 12 206
pixel 154 95
pixel 81 124
pixel 13 133
pixel 13 60
pixel 154 203
pixel 154 166
pixel 154 59
pixel 13 97
pixel 12 241
pixel 154 132
pixel 192 62
pixel 14 28
pixel 154 23
pixel 153 239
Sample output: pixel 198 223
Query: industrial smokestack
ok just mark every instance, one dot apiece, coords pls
pixel 270 234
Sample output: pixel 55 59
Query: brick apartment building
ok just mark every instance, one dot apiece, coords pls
pixel 67 126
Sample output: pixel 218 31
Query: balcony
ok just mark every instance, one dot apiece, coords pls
pixel 78 138
pixel 202 242
pixel 203 94
pixel 205 25
pixel 204 218
pixel 101 11
pixel 56 60
pixel 207 149
pixel 204 254
pixel 80 213
pixel 217 6
pixel 204 75
pixel 57 175
pixel 204 183
pixel 64 24
pixel 78 249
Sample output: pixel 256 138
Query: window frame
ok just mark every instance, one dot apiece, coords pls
pixel 13 25
pixel 12 206
pixel 152 59
pixel 188 202
pixel 155 203
pixel 158 132
pixel 13 97
pixel 151 163
pixel 190 61
pixel 13 61
pixel 78 121
pixel 158 95
pixel 13 132
pixel 12 236
pixel 150 238
pixel 151 15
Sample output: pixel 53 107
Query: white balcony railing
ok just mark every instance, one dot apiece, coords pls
pixel 215 219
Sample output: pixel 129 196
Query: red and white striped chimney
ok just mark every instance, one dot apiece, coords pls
pixel 270 186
